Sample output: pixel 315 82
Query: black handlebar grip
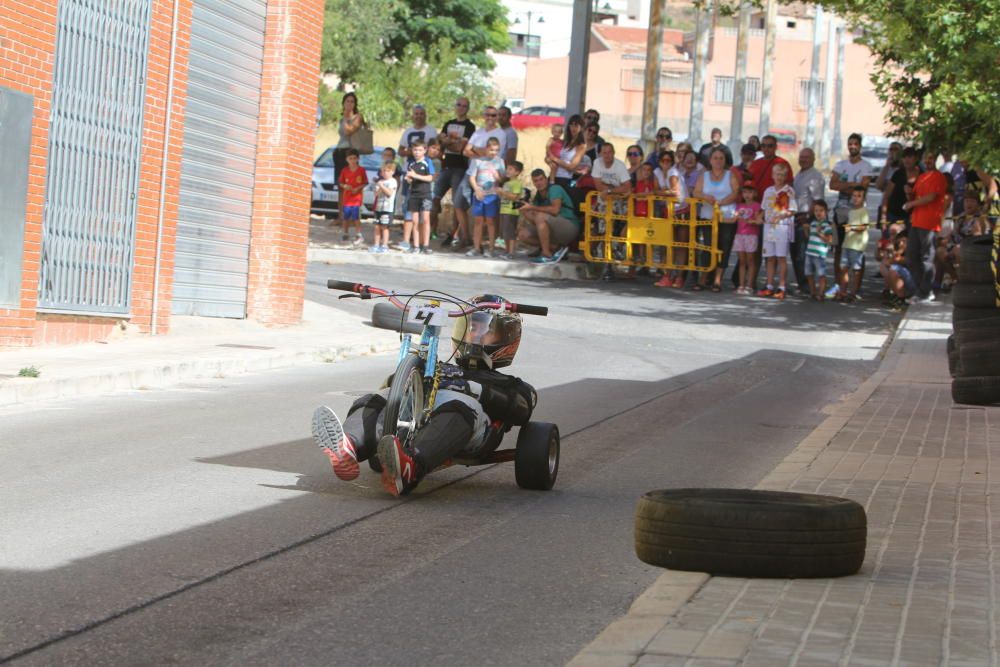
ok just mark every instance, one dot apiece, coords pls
pixel 342 285
pixel 530 310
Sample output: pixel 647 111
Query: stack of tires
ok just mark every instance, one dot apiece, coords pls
pixel 974 347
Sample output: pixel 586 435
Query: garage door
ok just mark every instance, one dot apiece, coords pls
pixel 217 165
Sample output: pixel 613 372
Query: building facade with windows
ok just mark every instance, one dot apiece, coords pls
pixel 157 157
pixel 617 67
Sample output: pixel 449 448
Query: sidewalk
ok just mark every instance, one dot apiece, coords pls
pixel 195 347
pixel 929 589
pixel 325 245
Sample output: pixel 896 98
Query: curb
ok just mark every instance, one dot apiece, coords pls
pixel 452 263
pixel 632 635
pixel 162 374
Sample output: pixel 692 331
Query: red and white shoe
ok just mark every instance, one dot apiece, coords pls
pixel 329 434
pixel 399 470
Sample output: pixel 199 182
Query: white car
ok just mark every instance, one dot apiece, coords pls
pixel 326 195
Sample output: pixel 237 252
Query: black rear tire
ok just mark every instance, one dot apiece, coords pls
pixel 387 316
pixel 953 357
pixel 536 459
pixel 960 316
pixel 747 533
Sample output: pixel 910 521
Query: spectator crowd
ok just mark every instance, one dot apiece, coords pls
pixel 775 221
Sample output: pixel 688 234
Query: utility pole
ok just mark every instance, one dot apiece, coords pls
pixel 740 79
pixel 825 143
pixel 651 86
pixel 841 47
pixel 765 84
pixel 579 57
pixel 698 78
pixel 814 78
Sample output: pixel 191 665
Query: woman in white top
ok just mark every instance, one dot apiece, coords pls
pixel 718 187
pixel 350 122
pixel 670 183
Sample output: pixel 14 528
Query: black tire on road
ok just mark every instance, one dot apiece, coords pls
pixel 980 359
pixel 978 335
pixel 970 295
pixel 387 316
pixel 748 533
pixel 974 257
pixel 991 322
pixel 976 390
pixel 953 357
pixel 536 459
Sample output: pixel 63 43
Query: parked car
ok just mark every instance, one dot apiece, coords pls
pixel 538 116
pixel 876 151
pixel 326 195
pixel 515 104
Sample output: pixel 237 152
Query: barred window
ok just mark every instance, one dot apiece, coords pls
pixel 724 87
pixel 802 93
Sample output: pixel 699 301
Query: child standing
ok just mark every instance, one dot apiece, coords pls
pixel 554 146
pixel 419 175
pixel 817 248
pixel 512 192
pixel 484 176
pixel 779 209
pixel 748 219
pixel 385 205
pixel 352 182
pixel 855 242
pixel 645 184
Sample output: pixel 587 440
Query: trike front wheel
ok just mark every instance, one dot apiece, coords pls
pixel 404 408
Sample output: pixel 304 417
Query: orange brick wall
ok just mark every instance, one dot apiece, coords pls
pixel 27 56
pixel 280 225
pixel 279 235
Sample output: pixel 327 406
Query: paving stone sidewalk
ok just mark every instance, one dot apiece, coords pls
pixel 928 591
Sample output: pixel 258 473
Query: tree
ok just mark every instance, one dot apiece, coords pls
pixel 391 88
pixel 473 27
pixel 355 34
pixel 937 70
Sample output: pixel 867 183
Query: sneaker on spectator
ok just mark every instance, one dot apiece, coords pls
pixel 506 256
pixel 446 243
pixel 664 282
pixel 779 294
pixel 559 254
pixel 542 259
pixel 426 250
pixel 403 247
pixel 472 252
pixel 399 470
pixel 487 253
pixel 328 433
pixel 767 291
pixel 832 292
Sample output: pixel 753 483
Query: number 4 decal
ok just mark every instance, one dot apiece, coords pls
pixel 429 316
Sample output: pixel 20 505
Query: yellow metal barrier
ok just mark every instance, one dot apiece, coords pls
pixel 670 236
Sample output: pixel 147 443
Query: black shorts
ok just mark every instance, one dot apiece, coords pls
pixel 418 203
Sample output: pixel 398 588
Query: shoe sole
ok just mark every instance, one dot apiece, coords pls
pixel 388 455
pixel 328 433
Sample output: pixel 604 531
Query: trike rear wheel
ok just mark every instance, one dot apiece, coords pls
pixel 536 459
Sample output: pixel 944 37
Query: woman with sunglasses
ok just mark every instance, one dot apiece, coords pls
pixel 570 156
pixel 633 158
pixel 664 142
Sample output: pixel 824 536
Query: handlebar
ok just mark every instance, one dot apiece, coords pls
pixel 367 292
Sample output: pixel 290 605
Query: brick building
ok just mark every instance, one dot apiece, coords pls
pixel 156 160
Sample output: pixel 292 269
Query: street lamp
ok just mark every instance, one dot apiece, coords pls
pixel 527 46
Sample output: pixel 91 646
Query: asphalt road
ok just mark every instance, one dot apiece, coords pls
pixel 200 525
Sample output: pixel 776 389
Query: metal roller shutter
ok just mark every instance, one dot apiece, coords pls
pixel 217 165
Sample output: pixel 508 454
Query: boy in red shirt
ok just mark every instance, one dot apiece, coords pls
pixel 927 211
pixel 352 182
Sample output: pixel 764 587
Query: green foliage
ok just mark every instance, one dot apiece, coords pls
pixel 936 70
pixel 356 33
pixel 472 26
pixel 29 372
pixel 390 89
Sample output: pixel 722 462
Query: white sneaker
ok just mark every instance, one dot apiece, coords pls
pixel 472 252
pixel 487 253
